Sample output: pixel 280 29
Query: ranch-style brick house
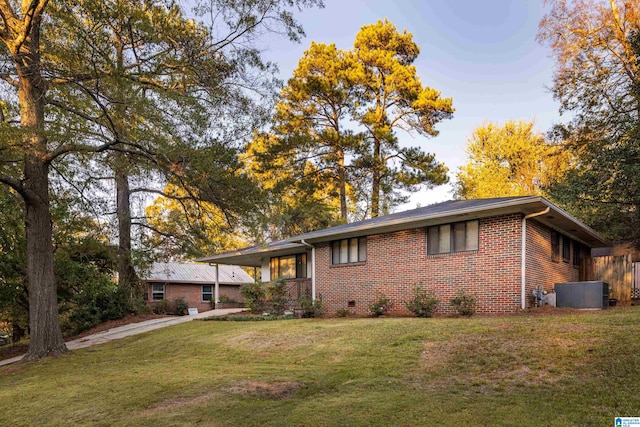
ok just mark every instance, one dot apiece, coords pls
pixel 498 250
pixel 198 284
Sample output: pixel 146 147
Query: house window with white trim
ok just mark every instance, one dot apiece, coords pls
pixel 207 293
pixel 349 251
pixel 455 237
pixel 157 291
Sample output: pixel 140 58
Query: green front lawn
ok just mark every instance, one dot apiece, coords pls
pixel 581 368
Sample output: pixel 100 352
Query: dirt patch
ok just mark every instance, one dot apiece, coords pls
pixel 487 361
pixel 274 391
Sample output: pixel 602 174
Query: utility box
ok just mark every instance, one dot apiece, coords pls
pixel 582 294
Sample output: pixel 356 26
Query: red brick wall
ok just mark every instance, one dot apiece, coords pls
pixel 541 269
pixel 192 294
pixel 397 261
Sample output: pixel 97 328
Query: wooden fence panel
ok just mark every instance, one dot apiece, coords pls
pixel 617 270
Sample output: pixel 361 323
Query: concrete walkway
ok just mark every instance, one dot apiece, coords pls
pixel 133 329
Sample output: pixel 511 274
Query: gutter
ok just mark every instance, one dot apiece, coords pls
pixel 523 270
pixel 313 268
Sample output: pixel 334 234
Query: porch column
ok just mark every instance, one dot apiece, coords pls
pixel 313 273
pixel 217 286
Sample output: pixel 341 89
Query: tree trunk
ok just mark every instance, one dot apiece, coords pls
pixel 342 185
pixel 45 335
pixel 127 279
pixel 375 184
pixel 44 324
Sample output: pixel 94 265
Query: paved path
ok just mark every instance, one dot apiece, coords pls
pixel 132 329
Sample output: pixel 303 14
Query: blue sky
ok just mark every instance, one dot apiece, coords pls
pixel 483 54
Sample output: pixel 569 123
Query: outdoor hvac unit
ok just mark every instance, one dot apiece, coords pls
pixel 582 294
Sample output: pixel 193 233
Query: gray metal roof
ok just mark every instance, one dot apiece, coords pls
pixel 179 272
pixel 451 211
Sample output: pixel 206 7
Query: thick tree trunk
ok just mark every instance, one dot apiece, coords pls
pixel 45 335
pixel 127 278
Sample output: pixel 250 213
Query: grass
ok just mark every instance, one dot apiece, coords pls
pixel 580 368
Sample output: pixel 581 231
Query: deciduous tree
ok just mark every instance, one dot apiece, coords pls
pixel 509 160
pixel 597 79
pixel 75 69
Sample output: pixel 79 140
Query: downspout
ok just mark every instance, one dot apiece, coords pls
pixel 523 271
pixel 313 268
pixel 217 287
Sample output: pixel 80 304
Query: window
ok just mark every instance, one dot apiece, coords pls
pixel 289 267
pixel 456 237
pixel 349 251
pixel 207 292
pixel 577 252
pixel 555 246
pixel 566 249
pixel 157 291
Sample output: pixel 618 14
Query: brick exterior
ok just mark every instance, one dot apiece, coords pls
pixel 192 294
pixel 541 269
pixel 397 261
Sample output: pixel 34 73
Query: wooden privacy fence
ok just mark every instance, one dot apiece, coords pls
pixel 618 271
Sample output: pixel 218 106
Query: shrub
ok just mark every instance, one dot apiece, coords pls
pixel 464 303
pixel 311 308
pixel 254 296
pixel 343 312
pixel 277 296
pixel 380 306
pixel 180 307
pixel 423 302
pixel 98 302
pixel 161 307
pixel 224 298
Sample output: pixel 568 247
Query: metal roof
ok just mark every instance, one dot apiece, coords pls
pixel 180 272
pixel 451 211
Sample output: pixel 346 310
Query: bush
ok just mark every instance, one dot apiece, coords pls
pixel 254 296
pixel 96 303
pixel 423 302
pixel 161 307
pixel 180 307
pixel 464 303
pixel 311 308
pixel 277 296
pixel 380 306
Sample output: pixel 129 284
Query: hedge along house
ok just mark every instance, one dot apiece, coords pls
pixel 498 250
pixel 200 285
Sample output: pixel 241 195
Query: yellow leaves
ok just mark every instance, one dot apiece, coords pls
pixel 509 160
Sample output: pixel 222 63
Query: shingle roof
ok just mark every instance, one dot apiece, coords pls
pixel 450 211
pixel 178 272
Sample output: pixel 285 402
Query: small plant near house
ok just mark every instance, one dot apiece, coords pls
pixel 311 308
pixel 254 296
pixel 277 296
pixel 180 307
pixel 464 303
pixel 380 306
pixel 161 307
pixel 423 302
pixel 343 312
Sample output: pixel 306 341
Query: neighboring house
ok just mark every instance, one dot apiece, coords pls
pixel 196 283
pixel 498 249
